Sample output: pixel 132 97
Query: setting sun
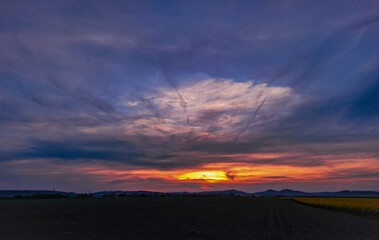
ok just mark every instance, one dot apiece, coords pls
pixel 206 175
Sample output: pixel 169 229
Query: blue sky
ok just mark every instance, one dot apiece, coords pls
pixel 133 94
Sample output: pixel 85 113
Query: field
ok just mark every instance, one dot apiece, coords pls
pixel 177 218
pixel 364 206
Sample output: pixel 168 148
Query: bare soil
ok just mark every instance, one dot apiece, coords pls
pixel 177 218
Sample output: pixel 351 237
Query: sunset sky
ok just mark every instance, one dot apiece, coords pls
pixel 189 95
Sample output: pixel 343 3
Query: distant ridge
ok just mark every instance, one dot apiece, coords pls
pixel 151 193
pixel 210 193
pixel 268 193
pixel 127 193
pixel 226 192
pixel 292 193
pixel 24 193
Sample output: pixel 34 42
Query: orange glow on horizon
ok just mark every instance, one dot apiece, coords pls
pixel 209 176
pixel 240 173
pixel 228 174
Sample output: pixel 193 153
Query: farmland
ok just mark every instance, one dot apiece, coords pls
pixel 363 206
pixel 177 218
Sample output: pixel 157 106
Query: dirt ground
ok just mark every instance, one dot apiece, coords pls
pixel 178 218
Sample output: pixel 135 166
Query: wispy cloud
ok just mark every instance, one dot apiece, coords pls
pixel 217 108
pixel 184 85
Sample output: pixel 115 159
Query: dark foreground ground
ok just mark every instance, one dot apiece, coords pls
pixel 178 218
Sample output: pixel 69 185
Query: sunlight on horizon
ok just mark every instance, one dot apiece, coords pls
pixel 210 176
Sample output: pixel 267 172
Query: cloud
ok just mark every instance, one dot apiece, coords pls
pixel 180 85
pixel 102 174
pixel 216 108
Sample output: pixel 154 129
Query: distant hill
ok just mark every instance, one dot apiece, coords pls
pixel 225 192
pixel 268 193
pixel 284 192
pixel 150 193
pixel 25 193
pixel 127 193
pixel 292 193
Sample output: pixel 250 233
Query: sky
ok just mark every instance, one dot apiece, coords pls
pixel 189 95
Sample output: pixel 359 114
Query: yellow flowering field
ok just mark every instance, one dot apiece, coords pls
pixel 366 206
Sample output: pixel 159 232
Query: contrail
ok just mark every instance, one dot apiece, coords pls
pixel 147 104
pixel 307 64
pixel 183 103
pixel 250 120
